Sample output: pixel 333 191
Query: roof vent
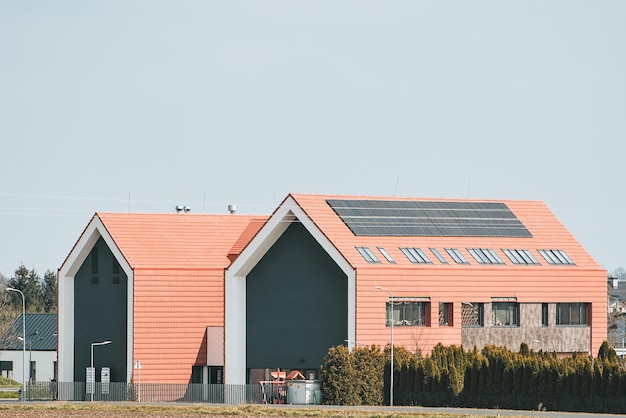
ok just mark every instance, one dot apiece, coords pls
pixel 181 208
pixel 232 209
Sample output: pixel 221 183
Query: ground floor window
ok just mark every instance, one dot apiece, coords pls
pixel 196 374
pixel 505 314
pixel 472 314
pixel 214 374
pixel 408 313
pixel 6 369
pixel 572 313
pixel 544 314
pixel 33 372
pixel 445 314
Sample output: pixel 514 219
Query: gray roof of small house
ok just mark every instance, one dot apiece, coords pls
pixel 41 329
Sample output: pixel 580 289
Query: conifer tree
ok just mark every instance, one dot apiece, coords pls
pixel 455 381
pixel 508 375
pixel 38 296
pixel 49 292
pixel 418 384
pixel 410 381
pixel 597 388
pixel 607 353
pixel 524 350
pixel 369 363
pixel 587 377
pixel 339 378
pixel 431 376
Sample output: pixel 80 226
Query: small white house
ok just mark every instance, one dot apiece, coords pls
pixel 37 357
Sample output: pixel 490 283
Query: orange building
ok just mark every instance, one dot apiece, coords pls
pixel 152 284
pixel 253 294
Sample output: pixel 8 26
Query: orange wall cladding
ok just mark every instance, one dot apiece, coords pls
pixel 471 283
pixel 172 310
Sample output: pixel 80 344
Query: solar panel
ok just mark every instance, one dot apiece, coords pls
pixel 419 218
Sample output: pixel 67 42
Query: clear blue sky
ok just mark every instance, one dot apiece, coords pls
pixel 110 105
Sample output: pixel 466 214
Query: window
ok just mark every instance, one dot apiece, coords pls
pixel 520 256
pixel 456 256
pixel 33 372
pixel 94 266
pixel 368 255
pixel 215 374
pixel 445 314
pixel 416 255
pixel 386 255
pixel 556 257
pixel 6 369
pixel 408 313
pixel 197 374
pixel 485 256
pixel 472 314
pixel 115 278
pixel 505 314
pixel 438 255
pixel 572 313
pixel 544 315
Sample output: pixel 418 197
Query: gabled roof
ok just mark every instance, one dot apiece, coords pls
pixel 180 241
pixel 545 231
pixel 245 237
pixel 41 331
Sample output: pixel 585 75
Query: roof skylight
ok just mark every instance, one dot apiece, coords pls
pixel 416 255
pixel 556 257
pixel 485 256
pixel 520 256
pixel 386 254
pixel 457 256
pixel 367 254
pixel 438 255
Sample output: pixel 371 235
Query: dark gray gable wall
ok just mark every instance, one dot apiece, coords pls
pixel 100 314
pixel 296 304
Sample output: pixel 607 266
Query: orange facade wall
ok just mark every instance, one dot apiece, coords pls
pixel 471 283
pixel 172 309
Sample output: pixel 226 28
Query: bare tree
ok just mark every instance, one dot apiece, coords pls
pixel 7 313
pixel 619 273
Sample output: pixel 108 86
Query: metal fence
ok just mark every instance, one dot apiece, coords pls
pixel 146 392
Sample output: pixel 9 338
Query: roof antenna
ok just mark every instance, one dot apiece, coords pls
pixel 469 186
pixel 396 189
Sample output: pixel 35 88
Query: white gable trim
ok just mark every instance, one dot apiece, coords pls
pixel 235 284
pixel 95 229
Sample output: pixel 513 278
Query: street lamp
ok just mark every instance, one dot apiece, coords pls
pixel 94 372
pixel 391 322
pixel 11 289
pixel 30 358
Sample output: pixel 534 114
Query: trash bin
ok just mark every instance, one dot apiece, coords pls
pixel 304 392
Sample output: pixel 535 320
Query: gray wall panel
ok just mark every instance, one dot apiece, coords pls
pixel 100 314
pixel 297 304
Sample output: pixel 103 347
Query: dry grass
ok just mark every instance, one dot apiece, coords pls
pixel 107 410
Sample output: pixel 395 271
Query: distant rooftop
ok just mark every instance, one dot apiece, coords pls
pixel 41 331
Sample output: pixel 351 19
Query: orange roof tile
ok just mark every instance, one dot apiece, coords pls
pixel 546 229
pixel 246 236
pixel 183 241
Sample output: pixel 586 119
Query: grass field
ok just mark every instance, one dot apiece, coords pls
pixel 109 410
pixel 11 385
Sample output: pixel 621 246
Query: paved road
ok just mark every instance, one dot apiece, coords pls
pixel 460 411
